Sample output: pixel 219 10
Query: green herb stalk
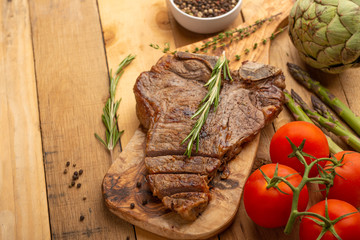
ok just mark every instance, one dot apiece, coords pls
pixel 228 37
pixel 326 96
pixel 221 69
pixel 109 116
pixel 300 115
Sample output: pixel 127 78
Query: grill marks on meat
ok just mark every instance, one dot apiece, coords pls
pixel 187 204
pixel 182 164
pixel 186 194
pixel 169 94
pixel 168 184
pixel 167 97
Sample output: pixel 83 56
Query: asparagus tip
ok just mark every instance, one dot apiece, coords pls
pixel 316 102
pixel 299 100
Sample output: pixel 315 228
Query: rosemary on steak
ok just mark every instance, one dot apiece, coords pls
pixel 109 116
pixel 220 70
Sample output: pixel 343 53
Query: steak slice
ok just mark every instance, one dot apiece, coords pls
pixel 169 94
pixel 166 98
pixel 168 184
pixel 182 164
pixel 188 205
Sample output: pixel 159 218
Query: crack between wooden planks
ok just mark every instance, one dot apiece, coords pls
pixel 343 90
pixel 108 75
pixel 242 16
pixel 38 104
pixel 134 232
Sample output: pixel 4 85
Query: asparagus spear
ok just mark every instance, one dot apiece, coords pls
pixel 300 115
pixel 320 107
pixel 324 94
pixel 344 134
pixel 295 108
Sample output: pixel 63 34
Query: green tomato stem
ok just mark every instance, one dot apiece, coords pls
pixel 294 213
pixel 323 221
pixel 285 181
pixel 296 194
pixel 319 179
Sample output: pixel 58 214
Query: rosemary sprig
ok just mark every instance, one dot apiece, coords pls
pixel 221 69
pixel 109 116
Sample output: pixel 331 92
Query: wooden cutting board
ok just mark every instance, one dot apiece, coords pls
pixel 124 184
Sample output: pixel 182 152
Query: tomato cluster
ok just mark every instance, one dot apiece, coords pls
pixel 269 191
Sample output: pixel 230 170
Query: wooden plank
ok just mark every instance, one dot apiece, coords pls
pixel 350 84
pixel 130 28
pixel 23 205
pixel 123 37
pixel 72 80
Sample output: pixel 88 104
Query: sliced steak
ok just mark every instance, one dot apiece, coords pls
pixel 182 164
pixel 168 184
pixel 166 98
pixel 189 204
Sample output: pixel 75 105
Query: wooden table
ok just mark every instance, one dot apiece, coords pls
pixel 54 61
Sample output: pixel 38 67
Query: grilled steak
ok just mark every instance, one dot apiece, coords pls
pixel 187 204
pixel 163 185
pixel 182 164
pixel 169 94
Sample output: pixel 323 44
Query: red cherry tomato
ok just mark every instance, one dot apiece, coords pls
pixel 270 207
pixel 347 179
pixel 348 228
pixel 316 145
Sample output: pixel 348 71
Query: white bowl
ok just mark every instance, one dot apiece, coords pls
pixel 204 25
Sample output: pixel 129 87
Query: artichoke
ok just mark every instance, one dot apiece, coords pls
pixel 327 33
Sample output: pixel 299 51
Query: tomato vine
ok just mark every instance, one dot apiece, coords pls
pixel 325 178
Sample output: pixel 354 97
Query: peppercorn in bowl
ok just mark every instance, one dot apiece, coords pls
pixel 204 16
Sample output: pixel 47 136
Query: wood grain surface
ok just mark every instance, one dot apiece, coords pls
pixel 54 61
pixel 23 202
pixel 127 31
pixel 72 84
